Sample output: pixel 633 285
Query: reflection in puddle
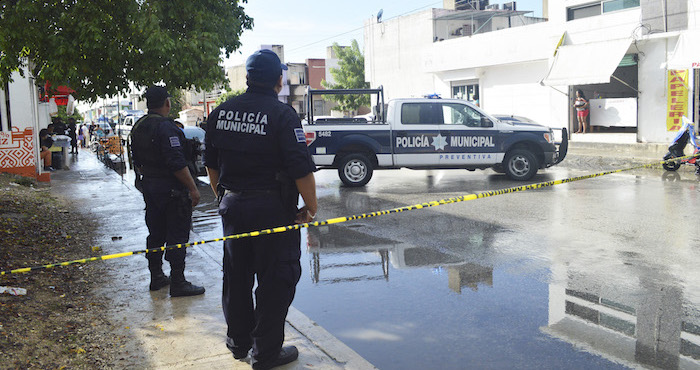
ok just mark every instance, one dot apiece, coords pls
pixel 644 324
pixel 342 254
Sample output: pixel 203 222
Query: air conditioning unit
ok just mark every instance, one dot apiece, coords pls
pixel 509 6
pixel 467 30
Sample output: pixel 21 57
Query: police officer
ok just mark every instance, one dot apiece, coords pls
pixel 258 163
pixel 168 190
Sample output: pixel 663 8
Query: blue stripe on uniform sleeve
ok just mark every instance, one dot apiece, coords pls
pixel 301 137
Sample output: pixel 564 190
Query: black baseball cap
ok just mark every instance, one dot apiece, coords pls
pixel 264 68
pixel 155 96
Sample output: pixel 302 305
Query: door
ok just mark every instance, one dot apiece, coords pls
pixel 470 137
pixel 415 138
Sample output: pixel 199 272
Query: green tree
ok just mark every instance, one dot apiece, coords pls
pixel 97 47
pixel 228 95
pixel 350 75
pixel 176 99
pixel 64 116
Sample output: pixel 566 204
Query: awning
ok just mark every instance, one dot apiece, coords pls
pixel 687 53
pixel 586 64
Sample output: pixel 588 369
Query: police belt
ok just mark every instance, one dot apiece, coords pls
pixel 251 192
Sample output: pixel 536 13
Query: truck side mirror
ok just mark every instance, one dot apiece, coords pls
pixel 485 122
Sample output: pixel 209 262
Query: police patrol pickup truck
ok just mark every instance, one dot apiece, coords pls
pixel 424 133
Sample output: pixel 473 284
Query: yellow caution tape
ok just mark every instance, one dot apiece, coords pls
pixel 338 220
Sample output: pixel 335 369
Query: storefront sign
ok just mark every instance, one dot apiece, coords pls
pixel 677 99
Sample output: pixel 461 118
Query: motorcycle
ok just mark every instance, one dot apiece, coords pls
pixel 675 150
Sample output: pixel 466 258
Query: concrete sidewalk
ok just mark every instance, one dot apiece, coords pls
pixel 173 333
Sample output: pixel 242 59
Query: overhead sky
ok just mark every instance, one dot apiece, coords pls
pixel 307 27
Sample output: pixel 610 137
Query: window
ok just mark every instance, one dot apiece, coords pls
pixel 469 92
pixel 418 114
pixel 598 8
pixel 460 114
pixel 613 5
pixel 584 11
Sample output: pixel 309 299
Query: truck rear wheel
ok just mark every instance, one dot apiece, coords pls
pixel 355 170
pixel 520 164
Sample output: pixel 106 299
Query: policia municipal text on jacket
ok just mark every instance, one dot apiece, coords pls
pixel 258 162
pixel 168 190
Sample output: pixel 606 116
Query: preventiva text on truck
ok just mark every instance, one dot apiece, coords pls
pixel 424 133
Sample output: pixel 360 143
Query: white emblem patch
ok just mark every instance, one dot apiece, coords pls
pixel 174 141
pixel 439 142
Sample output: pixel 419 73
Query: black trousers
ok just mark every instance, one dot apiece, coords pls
pixel 168 218
pixel 273 259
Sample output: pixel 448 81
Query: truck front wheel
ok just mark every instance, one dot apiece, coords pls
pixel 520 165
pixel 355 170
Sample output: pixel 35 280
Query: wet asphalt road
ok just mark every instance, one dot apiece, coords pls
pixel 600 273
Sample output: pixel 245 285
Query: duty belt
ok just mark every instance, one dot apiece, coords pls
pixel 251 192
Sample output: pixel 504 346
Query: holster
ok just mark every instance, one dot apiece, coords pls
pixel 219 193
pixel 288 190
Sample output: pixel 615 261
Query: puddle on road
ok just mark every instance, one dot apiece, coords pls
pixel 430 306
pixel 411 300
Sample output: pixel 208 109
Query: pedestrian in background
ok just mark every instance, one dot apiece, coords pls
pixel 258 163
pixel 72 133
pixel 168 190
pixel 581 105
pixel 85 135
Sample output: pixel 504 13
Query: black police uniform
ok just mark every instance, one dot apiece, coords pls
pixel 157 152
pixel 258 146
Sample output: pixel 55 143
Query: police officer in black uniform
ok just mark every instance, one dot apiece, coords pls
pixel 168 190
pixel 258 163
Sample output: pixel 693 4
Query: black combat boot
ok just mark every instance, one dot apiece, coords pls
pixel 179 287
pixel 158 278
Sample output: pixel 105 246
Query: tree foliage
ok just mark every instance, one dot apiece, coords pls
pixel 350 75
pixel 97 47
pixel 228 95
pixel 63 115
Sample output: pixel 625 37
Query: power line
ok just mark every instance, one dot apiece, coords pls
pixel 359 28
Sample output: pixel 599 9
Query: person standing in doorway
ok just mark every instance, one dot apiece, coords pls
pixel 581 105
pixel 258 169
pixel 168 189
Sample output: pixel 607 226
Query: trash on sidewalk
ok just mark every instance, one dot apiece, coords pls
pixel 12 290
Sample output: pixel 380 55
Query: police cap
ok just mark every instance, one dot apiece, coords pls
pixel 155 96
pixel 264 68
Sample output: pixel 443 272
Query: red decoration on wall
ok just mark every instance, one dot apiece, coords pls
pixel 17 152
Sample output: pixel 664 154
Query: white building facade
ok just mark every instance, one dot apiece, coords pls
pixel 615 51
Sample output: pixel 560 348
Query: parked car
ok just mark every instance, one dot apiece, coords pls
pixel 508 118
pixel 196 135
pixel 124 129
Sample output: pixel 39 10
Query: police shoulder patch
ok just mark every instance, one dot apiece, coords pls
pixel 301 137
pixel 174 141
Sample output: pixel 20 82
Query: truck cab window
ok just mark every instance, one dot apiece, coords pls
pixel 460 114
pixel 418 114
